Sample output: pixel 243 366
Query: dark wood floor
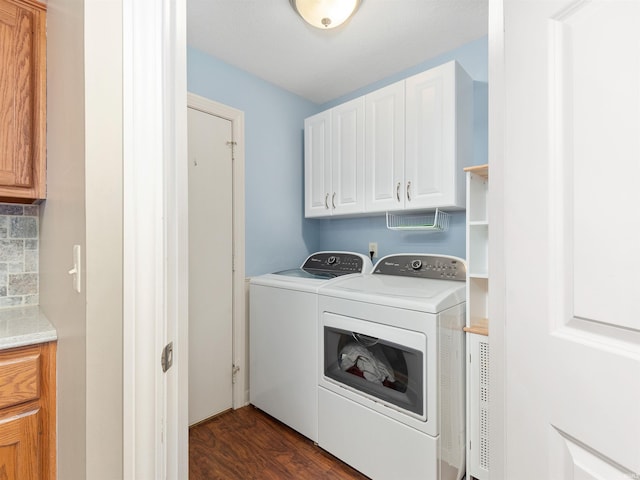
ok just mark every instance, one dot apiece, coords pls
pixel 247 444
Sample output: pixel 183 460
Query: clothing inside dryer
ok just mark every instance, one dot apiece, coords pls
pixel 385 370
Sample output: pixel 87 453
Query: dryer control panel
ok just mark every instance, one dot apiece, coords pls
pixel 336 263
pixel 441 267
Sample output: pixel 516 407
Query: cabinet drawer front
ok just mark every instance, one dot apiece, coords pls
pixel 19 377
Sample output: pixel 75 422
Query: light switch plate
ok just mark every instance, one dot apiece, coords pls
pixel 76 271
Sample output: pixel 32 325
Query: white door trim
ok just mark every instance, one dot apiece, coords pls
pixel 155 296
pixel 497 280
pixel 236 117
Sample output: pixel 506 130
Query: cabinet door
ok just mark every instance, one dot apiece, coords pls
pixel 438 130
pixel 317 165
pixel 384 151
pixel 347 157
pixel 478 406
pixel 22 100
pixel 19 444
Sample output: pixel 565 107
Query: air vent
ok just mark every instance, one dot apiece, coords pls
pixel 484 405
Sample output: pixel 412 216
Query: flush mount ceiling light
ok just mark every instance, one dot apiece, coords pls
pixel 325 13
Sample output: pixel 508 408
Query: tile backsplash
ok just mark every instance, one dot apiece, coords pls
pixel 18 254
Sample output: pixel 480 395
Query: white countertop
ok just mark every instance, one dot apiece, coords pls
pixel 21 326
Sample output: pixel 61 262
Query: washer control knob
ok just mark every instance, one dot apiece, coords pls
pixel 331 260
pixel 416 264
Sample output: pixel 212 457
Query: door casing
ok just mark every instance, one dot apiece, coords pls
pixel 240 360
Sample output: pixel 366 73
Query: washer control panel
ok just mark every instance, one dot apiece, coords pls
pixel 335 263
pixel 441 267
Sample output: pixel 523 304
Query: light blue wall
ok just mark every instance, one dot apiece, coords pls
pixel 277 235
pixel 473 57
pixel 354 234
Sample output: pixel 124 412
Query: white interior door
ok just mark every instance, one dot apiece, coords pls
pixel 572 240
pixel 210 265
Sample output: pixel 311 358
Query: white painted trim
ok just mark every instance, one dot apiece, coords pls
pixel 236 117
pixel 177 234
pixel 142 230
pixel 497 281
pixel 154 139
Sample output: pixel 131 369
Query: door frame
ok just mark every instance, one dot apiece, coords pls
pixel 497 280
pixel 240 394
pixel 155 256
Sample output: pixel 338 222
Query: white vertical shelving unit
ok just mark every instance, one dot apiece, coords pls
pixel 477 323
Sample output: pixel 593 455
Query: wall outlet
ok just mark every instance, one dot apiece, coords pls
pixel 373 247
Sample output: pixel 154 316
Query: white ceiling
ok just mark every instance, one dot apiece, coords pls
pixel 268 39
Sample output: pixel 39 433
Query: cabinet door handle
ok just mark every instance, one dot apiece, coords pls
pixel 398 191
pixel 326 201
pixel 409 191
pixel 333 200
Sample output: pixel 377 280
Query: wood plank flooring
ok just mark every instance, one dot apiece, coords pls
pixel 247 444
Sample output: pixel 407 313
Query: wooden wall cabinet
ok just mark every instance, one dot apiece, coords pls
pixel 28 413
pixel 22 101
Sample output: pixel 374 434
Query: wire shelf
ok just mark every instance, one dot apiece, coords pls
pixel 437 221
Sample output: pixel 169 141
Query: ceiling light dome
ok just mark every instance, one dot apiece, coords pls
pixel 325 13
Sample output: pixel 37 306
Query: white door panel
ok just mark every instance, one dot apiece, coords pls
pixel 439 107
pixel 210 265
pixel 427 123
pixel 572 239
pixel 317 164
pixel 598 97
pixel 385 148
pixel 347 157
pixel 580 463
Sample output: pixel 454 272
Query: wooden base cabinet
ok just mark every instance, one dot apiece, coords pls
pixel 27 413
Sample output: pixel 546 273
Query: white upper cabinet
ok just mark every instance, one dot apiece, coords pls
pixel 317 164
pixel 402 147
pixel 347 158
pixel 439 137
pixel 384 151
pixel 334 161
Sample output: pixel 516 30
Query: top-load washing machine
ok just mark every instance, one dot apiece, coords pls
pixel 283 339
pixel 391 368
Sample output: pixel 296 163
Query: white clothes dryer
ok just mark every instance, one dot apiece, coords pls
pixel 391 369
pixel 283 341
